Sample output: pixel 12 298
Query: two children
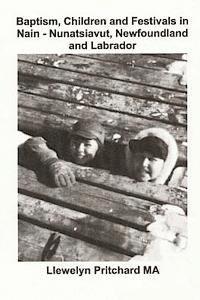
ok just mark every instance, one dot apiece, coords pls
pixel 150 156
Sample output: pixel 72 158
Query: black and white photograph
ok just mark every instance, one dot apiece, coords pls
pixel 102 157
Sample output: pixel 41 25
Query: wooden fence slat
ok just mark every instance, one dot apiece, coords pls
pixel 151 61
pixel 32 240
pixel 176 56
pixel 120 184
pixel 100 232
pixel 109 70
pixel 119 208
pixel 107 118
pixel 83 96
pixel 36 123
pixel 100 83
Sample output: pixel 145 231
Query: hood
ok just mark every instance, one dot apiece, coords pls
pixel 172 155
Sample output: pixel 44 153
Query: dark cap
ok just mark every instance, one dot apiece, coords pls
pixel 89 129
pixel 151 144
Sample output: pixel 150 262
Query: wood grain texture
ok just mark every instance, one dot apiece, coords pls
pixel 111 119
pixel 108 70
pixel 179 177
pixel 79 225
pixel 32 239
pixel 152 193
pixel 101 83
pixel 176 56
pixel 119 208
pixel 159 111
pixel 151 61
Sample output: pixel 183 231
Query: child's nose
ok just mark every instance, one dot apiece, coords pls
pixel 145 162
pixel 81 147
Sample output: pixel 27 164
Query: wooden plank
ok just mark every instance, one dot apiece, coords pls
pixel 119 103
pixel 179 177
pixel 108 70
pixel 36 123
pixel 152 193
pixel 151 61
pixel 32 239
pixel 184 183
pixel 177 56
pixel 119 208
pixel 107 118
pixel 97 231
pixel 100 83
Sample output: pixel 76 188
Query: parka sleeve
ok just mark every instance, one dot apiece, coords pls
pixel 35 153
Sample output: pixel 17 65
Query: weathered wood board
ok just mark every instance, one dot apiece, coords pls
pixel 78 227
pixel 107 118
pixel 108 70
pixel 100 232
pixel 32 240
pixel 126 210
pixel 100 83
pixel 144 108
pixel 151 61
pixel 142 195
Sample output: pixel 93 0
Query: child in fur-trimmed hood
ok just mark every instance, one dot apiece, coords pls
pixel 151 155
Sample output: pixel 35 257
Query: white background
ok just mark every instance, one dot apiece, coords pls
pixel 29 280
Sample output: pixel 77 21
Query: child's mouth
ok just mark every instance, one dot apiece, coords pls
pixel 146 171
pixel 79 155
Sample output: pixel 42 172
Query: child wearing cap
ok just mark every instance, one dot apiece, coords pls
pixel 87 139
pixel 83 147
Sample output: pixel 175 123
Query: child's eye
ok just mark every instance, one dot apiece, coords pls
pixel 76 143
pixel 153 159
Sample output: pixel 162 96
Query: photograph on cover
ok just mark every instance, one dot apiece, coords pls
pixel 102 154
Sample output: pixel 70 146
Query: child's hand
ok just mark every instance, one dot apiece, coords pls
pixel 61 174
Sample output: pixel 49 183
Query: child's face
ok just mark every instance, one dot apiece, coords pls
pixel 146 167
pixel 83 150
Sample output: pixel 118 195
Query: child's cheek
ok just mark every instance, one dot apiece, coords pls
pixel 156 168
pixel 90 152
